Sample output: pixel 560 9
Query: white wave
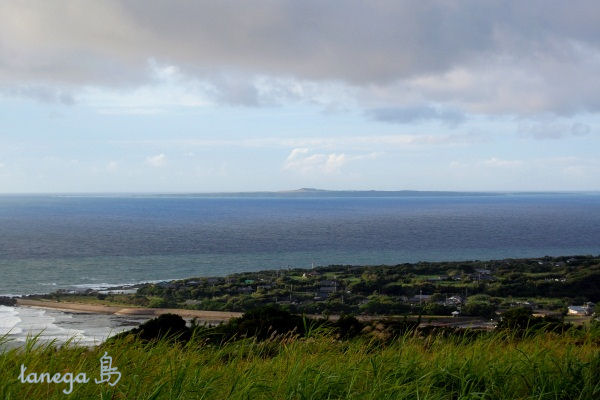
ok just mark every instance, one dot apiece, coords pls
pixel 9 318
pixel 43 323
pixel 19 323
pixel 103 286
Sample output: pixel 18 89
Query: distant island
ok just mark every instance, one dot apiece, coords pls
pixel 315 192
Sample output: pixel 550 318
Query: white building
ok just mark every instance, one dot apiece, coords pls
pixel 581 310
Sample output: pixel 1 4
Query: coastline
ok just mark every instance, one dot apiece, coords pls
pixel 208 316
pixel 215 317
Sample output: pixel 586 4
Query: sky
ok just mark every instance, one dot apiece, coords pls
pixel 163 96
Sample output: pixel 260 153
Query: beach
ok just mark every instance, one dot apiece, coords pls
pixel 47 324
pixel 85 324
pixel 94 323
pixel 207 316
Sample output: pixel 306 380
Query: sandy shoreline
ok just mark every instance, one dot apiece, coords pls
pixel 116 310
pixel 223 316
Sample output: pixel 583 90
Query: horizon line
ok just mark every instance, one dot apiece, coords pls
pixel 299 191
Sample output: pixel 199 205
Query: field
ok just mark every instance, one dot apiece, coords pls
pixel 490 366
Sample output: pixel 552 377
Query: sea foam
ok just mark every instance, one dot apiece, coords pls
pixel 9 318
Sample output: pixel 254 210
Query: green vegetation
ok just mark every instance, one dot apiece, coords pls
pixel 471 288
pixel 270 353
pixel 497 365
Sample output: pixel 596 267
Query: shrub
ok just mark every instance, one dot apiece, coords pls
pixel 347 326
pixel 521 320
pixel 261 323
pixel 168 326
pixel 482 309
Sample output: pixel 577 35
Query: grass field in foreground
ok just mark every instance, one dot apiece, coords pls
pixel 494 366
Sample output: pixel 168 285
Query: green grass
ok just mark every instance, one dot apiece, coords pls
pixel 495 366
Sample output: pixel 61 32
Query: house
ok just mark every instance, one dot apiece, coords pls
pixel 325 291
pixel 559 264
pixel 580 310
pixel 524 304
pixel 328 283
pixel 589 305
pixel 454 301
pixel 483 271
pixel 420 298
pixel 246 289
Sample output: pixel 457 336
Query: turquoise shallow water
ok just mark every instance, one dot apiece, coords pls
pixel 51 242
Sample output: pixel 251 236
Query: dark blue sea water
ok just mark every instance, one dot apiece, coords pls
pixel 51 242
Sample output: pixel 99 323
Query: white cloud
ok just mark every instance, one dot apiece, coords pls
pixel 553 130
pixel 457 164
pixel 493 162
pixel 499 163
pixel 303 161
pixel 159 160
pixel 324 143
pixel 112 166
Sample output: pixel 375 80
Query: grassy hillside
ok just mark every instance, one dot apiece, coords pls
pixel 491 366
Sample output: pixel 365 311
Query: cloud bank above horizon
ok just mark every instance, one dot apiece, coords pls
pixel 233 95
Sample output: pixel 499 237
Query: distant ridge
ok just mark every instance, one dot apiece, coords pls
pixel 313 192
pixel 303 190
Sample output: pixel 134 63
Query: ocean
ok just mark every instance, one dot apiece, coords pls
pixel 54 242
pixel 65 242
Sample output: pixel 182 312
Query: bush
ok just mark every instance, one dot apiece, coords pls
pixel 521 320
pixel 261 323
pixel 159 302
pixel 169 326
pixel 347 326
pixel 437 309
pixel 481 309
pixel 516 319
